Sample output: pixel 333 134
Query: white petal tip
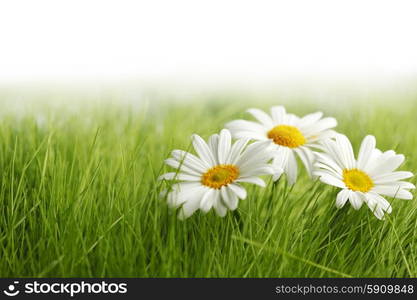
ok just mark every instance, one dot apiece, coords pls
pixel 261 183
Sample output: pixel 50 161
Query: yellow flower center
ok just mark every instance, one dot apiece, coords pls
pixel 219 176
pixel 288 136
pixel 357 180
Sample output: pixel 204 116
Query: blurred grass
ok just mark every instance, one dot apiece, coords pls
pixel 79 197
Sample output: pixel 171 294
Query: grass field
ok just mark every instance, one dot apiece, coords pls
pixel 79 197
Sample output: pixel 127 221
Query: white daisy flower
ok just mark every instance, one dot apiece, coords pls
pixel 365 179
pixel 288 134
pixel 213 177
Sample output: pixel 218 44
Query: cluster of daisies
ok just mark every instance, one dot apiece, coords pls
pixel 212 178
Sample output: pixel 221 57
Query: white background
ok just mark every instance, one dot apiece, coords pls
pixel 81 40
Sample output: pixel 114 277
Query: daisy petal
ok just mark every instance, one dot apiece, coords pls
pixel 238 190
pixel 255 153
pixel 278 114
pixel 257 171
pixel 183 168
pixel 191 204
pixel 208 200
pixel 251 135
pixel 310 119
pixel 342 198
pixel 291 119
pixel 181 192
pixel 356 200
pixel 280 159
pixel 321 166
pixel 261 116
pixel 224 146
pixel 320 126
pixel 236 150
pixel 291 168
pixel 383 164
pixel 333 151
pixel 346 151
pixel 179 176
pixel 393 191
pixel 203 150
pixel 378 205
pixel 229 198
pixel 213 144
pixel 331 180
pixel 254 180
pixel 403 184
pixel 365 152
pixel 189 160
pixel 392 177
pixel 324 135
pixel 325 159
pixel 307 157
pixel 247 126
pixel 220 208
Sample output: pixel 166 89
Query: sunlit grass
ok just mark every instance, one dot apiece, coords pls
pixel 79 197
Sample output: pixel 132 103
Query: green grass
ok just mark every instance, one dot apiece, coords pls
pixel 79 197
